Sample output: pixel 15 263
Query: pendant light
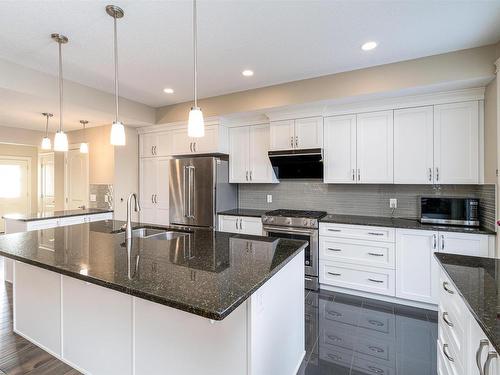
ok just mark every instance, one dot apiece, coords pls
pixel 196 125
pixel 61 139
pixel 84 146
pixel 117 129
pixel 46 144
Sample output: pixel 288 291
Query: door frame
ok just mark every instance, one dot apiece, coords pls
pixel 28 187
pixel 39 177
pixel 73 147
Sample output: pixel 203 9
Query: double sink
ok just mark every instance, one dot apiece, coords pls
pixel 157 234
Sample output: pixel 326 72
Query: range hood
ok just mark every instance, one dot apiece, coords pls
pixel 297 164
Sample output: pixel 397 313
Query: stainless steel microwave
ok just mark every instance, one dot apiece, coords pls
pixel 449 210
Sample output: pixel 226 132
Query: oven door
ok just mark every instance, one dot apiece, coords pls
pixel 311 252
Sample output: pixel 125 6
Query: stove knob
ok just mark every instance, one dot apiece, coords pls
pixel 265 219
pixel 271 219
pixel 306 223
pixel 311 223
pixel 289 220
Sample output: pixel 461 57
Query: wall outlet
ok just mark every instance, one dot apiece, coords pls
pixel 93 197
pixel 393 203
pixel 269 198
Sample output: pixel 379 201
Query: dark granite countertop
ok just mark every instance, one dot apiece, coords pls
pixel 35 216
pixel 204 272
pixel 477 281
pixel 244 212
pixel 401 223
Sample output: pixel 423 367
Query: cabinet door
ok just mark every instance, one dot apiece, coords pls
pixel 417 271
pixel 238 154
pixel 282 135
pixel 148 141
pixel 340 149
pixel 149 182
pixel 181 143
pixel 162 192
pixel 259 165
pixel 413 145
pixel 207 143
pixel 251 225
pixel 464 244
pixel 374 151
pixel 456 143
pixel 309 132
pixel 229 224
pixel 164 145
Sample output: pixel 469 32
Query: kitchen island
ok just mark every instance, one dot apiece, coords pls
pixel 170 301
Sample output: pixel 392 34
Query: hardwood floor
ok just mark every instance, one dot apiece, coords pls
pixel 17 355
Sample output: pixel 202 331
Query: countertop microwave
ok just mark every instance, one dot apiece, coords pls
pixel 449 211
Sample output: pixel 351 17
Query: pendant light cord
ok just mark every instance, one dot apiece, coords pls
pixel 60 88
pixel 47 126
pixel 116 68
pixel 195 54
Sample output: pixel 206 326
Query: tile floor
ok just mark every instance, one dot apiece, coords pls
pixel 347 335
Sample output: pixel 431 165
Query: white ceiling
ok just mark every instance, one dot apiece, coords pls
pixel 280 40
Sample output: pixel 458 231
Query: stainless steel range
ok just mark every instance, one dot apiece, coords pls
pixel 300 225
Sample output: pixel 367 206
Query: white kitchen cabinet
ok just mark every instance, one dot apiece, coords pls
pixel 465 244
pixel 301 133
pixel 479 347
pixel 214 140
pixel 456 143
pixel 154 180
pixel 340 149
pixel 413 145
pixel 417 271
pixel 155 144
pixel 248 159
pixel 240 224
pixel 374 151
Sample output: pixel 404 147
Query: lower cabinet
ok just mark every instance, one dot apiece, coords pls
pixel 240 224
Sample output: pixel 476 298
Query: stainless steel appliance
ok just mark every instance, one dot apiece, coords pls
pixel 449 210
pixel 199 188
pixel 296 164
pixel 300 225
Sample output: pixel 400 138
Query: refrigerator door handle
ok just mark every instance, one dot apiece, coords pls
pixel 186 187
pixel 192 190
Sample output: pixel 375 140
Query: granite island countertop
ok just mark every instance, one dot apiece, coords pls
pixel 401 223
pixel 35 216
pixel 477 280
pixel 202 272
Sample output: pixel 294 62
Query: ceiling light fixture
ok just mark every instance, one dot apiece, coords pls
pixel 168 90
pixel 117 129
pixel 46 144
pixel 60 139
pixel 196 124
pixel 368 46
pixel 84 146
pixel 247 73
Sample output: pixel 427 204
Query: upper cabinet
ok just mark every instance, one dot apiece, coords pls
pixel 413 145
pixel 456 143
pixel 248 159
pixel 155 144
pixel 296 134
pixel 359 148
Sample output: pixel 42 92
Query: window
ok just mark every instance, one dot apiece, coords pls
pixel 10 181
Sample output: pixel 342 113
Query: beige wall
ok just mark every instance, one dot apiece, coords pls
pixel 28 152
pixel 466 65
pixel 20 136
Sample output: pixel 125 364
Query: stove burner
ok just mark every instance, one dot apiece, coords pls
pixel 297 213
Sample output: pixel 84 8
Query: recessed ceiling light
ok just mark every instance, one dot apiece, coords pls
pixel 168 90
pixel 368 46
pixel 247 73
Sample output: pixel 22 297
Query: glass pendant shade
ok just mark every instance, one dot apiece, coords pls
pixel 46 144
pixel 196 124
pixel 117 134
pixel 60 141
pixel 84 148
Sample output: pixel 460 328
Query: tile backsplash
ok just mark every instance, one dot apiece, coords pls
pixel 368 200
pixel 104 196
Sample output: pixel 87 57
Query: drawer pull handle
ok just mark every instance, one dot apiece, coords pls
pixel 376 254
pixel 334 338
pixel 334 230
pixel 375 234
pixel 375 369
pixel 334 313
pixel 333 249
pixel 446 320
pixel 334 274
pixel 479 350
pixel 486 368
pixel 375 323
pixel 376 281
pixel 445 287
pixel 376 349
pixel 445 352
pixel 335 357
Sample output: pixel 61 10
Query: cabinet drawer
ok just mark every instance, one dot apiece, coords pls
pixel 454 331
pixel 42 224
pixel 450 300
pixel 452 365
pixel 367 279
pixel 368 253
pixel 358 232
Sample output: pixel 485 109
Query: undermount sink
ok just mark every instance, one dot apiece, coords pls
pixel 157 234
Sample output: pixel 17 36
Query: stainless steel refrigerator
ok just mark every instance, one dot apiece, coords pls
pixel 199 189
